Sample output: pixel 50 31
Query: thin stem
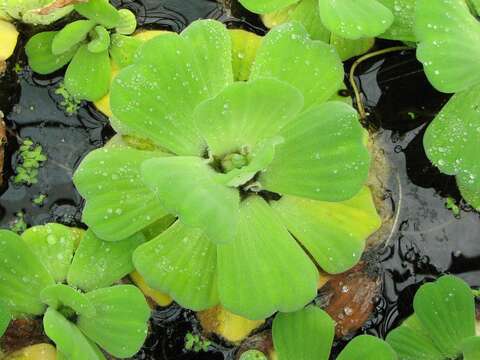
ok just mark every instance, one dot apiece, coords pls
pixel 353 83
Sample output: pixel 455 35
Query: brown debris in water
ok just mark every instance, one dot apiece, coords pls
pixel 58 4
pixel 21 333
pixel 349 298
pixel 3 67
pixel 262 342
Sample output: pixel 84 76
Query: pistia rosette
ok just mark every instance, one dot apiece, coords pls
pixel 87 46
pixel 65 274
pixel 251 169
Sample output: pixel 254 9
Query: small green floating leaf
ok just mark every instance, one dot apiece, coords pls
pixel 100 11
pixel 182 263
pixel 188 187
pixel 451 142
pixel 355 19
pixel 303 335
pixel 264 269
pixel 367 347
pixel 100 263
pixel 312 67
pixel 71 35
pixel 40 56
pixel 101 41
pixel 120 323
pixel 22 276
pixel 127 23
pixel 70 341
pixel 5 318
pixel 253 355
pixel 324 147
pixel 88 75
pixel 118 204
pixel 54 245
pixel 265 6
pixel 245 113
pixel 123 49
pixel 448 34
pixel 60 295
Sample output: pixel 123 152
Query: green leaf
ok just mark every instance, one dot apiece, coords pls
pixel 101 42
pixel 265 6
pixel 100 11
pixel 159 105
pixel 367 347
pixel 253 355
pixel 5 318
pixel 313 67
pixel 334 233
pixel 264 269
pixel 347 48
pixel 446 309
pixel 244 50
pixel 355 19
pixel 323 156
pixel 54 245
pixel 403 24
pixel 60 295
pixel 70 341
pixel 127 23
pixel 40 56
pixel 123 49
pixel 303 335
pixel 118 204
pixel 120 324
pixel 307 13
pixel 100 263
pixel 22 276
pixel 88 75
pixel 71 35
pixel 245 113
pixel 451 142
pixel 470 347
pixel 412 342
pixel 189 188
pixel 448 34
pixel 182 263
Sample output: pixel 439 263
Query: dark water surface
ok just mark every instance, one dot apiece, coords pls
pixel 427 239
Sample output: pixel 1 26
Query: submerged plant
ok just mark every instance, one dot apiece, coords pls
pixel 308 334
pixel 448 33
pixel 249 168
pixel 87 46
pixel 65 275
pixel 443 325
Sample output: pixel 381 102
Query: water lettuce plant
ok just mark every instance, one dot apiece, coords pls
pixel 33 11
pixel 251 169
pixel 86 46
pixel 448 34
pixel 443 325
pixel 65 275
pixel 308 334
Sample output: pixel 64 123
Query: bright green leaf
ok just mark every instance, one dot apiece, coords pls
pixel 451 142
pixel 244 50
pixel 88 75
pixel 120 324
pixel 71 35
pixel 118 204
pixel 303 335
pixel 266 6
pixel 60 295
pixel 5 318
pixel 156 96
pixel 100 263
pixel 127 23
pixel 101 42
pixel 69 339
pixel 182 263
pixel 189 188
pixel 264 269
pixel 313 67
pixel 245 113
pixel 355 19
pixel 40 56
pixel 470 347
pixel 54 245
pixel 347 48
pixel 323 156
pixel 100 11
pixel 22 276
pixel 367 347
pixel 448 34
pixel 334 233
pixel 403 24
pixel 123 49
